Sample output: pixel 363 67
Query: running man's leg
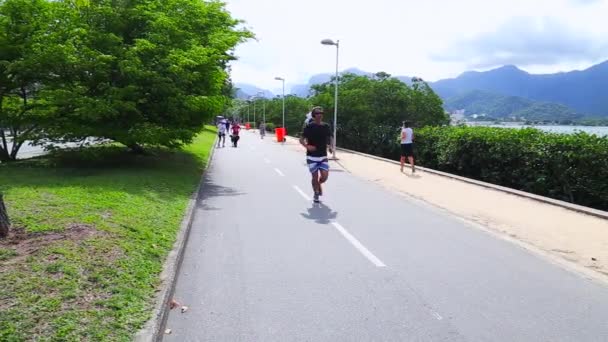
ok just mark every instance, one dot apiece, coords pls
pixel 315 185
pixel 324 174
pixel 411 159
pixel 404 154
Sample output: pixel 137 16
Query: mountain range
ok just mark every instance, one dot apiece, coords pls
pixel 245 91
pixel 584 91
pixel 511 92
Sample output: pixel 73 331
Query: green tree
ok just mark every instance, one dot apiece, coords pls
pixel 371 109
pixel 140 72
pixel 23 24
pixel 295 111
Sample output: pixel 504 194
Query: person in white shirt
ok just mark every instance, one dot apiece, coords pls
pixel 407 145
pixel 221 133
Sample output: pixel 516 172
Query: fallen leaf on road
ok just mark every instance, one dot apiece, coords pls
pixel 184 309
pixel 594 259
pixel 167 331
pixel 173 304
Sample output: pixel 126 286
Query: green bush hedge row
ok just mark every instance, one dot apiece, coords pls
pixel 569 167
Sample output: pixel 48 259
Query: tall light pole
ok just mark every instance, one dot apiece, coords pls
pixel 282 80
pixel 248 105
pixel 337 44
pixel 254 124
pixel 261 96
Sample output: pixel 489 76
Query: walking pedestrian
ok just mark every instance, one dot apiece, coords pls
pixel 407 145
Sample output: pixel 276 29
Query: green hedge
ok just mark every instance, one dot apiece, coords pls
pixel 569 167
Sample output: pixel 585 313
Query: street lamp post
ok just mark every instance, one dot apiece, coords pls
pixel 254 113
pixel 282 80
pixel 261 96
pixel 337 44
pixel 248 105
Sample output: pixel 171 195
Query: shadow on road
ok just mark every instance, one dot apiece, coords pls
pixel 415 175
pixel 320 213
pixel 210 190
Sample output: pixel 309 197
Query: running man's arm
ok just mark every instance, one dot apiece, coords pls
pixel 303 141
pixel 303 138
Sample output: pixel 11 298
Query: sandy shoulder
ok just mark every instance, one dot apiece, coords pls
pixel 569 237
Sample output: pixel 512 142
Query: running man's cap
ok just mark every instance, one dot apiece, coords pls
pixel 317 110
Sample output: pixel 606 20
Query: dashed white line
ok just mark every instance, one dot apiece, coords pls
pixel 279 172
pixel 302 193
pixel 436 315
pixel 358 245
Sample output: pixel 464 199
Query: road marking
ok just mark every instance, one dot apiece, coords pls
pixel 302 193
pixel 279 172
pixel 369 255
pixel 436 315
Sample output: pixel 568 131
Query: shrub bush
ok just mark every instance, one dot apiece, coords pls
pixel 569 167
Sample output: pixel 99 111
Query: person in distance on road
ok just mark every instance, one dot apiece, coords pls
pixel 221 133
pixel 236 129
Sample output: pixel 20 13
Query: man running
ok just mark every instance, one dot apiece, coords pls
pixel 236 128
pixel 317 139
pixel 221 133
pixel 407 145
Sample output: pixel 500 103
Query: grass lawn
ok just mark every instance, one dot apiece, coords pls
pixel 91 230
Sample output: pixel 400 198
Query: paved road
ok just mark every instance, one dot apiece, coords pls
pixel 28 151
pixel 265 264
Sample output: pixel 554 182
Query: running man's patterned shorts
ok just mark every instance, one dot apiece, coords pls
pixel 317 163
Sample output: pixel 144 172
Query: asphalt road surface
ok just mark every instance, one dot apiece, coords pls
pixel 263 263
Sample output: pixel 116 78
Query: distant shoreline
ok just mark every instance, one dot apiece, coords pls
pixel 564 129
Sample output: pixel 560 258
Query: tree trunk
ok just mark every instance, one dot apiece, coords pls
pixel 4 222
pixel 4 156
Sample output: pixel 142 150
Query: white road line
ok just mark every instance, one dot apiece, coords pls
pixel 369 255
pixel 436 315
pixel 302 193
pixel 279 172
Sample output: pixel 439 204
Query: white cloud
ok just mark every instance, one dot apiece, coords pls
pixel 401 36
pixel 526 41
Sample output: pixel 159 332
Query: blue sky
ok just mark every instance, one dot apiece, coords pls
pixel 432 39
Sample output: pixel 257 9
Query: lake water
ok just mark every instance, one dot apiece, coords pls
pixel 597 130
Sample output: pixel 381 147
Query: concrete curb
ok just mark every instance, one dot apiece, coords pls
pixel 153 330
pixel 574 207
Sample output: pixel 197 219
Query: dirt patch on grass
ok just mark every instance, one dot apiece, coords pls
pixel 62 271
pixel 25 244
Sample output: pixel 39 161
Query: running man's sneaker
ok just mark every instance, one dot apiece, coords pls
pixel 316 198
